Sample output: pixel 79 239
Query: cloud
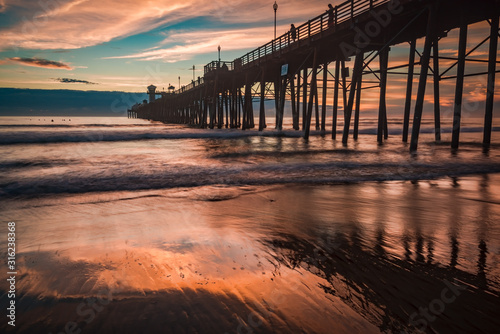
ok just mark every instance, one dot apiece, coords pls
pixel 59 24
pixel 63 8
pixel 183 45
pixel 38 62
pixel 68 80
pixel 74 24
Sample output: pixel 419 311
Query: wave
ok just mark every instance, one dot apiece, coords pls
pixel 17 164
pixel 174 176
pixel 20 137
pixel 89 135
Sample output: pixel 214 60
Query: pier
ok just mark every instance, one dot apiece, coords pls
pixel 307 65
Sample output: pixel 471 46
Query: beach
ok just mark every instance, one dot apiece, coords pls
pixel 127 226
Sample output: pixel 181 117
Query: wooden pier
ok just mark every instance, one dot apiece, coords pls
pixel 299 69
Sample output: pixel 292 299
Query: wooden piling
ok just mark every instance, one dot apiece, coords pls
pixel 437 107
pixel 276 101
pixel 262 114
pixel 282 102
pixel 240 106
pixel 409 86
pixel 226 105
pixel 490 90
pixel 323 102
pixel 219 111
pixel 295 114
pixel 299 86
pixel 382 109
pixel 316 106
pixel 344 85
pixel 247 106
pixel 304 98
pixel 213 104
pixel 335 100
pixel 358 67
pixel 459 88
pixel 424 69
pixel 234 112
pixel 357 109
pixel 205 108
pixel 251 120
pixel 313 92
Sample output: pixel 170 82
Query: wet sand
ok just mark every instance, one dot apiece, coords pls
pixel 370 257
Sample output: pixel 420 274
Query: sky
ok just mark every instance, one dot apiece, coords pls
pixel 126 45
pixel 110 45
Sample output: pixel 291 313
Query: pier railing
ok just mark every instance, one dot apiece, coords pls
pixel 193 84
pixel 328 20
pixel 215 65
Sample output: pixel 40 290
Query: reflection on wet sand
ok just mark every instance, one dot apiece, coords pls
pixel 366 258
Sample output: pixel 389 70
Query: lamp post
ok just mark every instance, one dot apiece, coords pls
pixel 218 48
pixel 179 82
pixel 275 7
pixel 193 72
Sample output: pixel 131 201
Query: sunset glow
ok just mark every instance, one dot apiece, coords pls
pixel 128 45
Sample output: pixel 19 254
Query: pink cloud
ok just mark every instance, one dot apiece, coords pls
pixel 82 23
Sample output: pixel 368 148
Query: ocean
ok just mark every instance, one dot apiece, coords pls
pixel 131 226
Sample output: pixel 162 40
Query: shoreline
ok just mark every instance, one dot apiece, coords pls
pixel 278 256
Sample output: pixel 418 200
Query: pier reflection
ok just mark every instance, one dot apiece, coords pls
pixel 371 257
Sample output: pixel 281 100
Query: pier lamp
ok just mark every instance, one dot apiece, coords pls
pixel 218 48
pixel 275 7
pixel 179 82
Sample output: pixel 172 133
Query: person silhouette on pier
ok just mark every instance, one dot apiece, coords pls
pixel 330 15
pixel 293 32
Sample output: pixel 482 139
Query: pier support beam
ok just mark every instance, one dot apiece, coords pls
pixel 314 91
pixel 424 69
pixel 357 108
pixel 213 104
pixel 457 113
pixel 323 102
pixel 298 100
pixel 220 112
pixel 234 106
pixel 358 68
pixel 240 107
pixel 382 109
pixel 295 114
pixel 437 78
pixel 262 114
pixel 316 104
pixel 335 99
pixel 247 106
pixel 409 86
pixel 226 102
pixel 282 102
pixel 345 74
pixel 304 98
pixel 490 93
pixel 277 89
